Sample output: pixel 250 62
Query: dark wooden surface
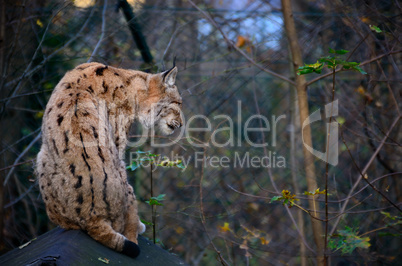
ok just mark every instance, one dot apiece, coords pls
pixel 73 247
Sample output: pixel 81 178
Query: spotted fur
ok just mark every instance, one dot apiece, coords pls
pixel 81 173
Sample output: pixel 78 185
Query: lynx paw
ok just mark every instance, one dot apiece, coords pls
pixel 130 249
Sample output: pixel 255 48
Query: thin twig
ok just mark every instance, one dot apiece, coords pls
pixel 18 141
pixel 365 178
pixel 153 207
pixel 24 94
pixel 361 64
pixel 28 72
pixel 173 37
pixel 202 214
pixel 20 156
pixel 272 178
pixel 329 201
pixel 8 205
pixel 230 44
pixel 363 172
pixel 375 230
pixel 327 166
pixel 12 48
pixel 357 46
pixel 14 165
pixel 310 211
pixel 389 88
pixel 102 33
pixel 14 91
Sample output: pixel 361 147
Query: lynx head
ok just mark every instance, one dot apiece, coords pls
pixel 162 105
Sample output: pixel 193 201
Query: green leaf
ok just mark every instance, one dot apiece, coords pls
pixel 347 240
pixel 168 163
pixel 142 152
pixel 133 166
pixel 276 198
pixel 388 215
pixel 331 51
pixel 341 120
pixel 180 165
pixel 305 71
pixel 160 197
pixel 328 60
pixel 331 244
pixel 318 71
pixel 314 66
pixel 357 68
pixel 341 51
pixel 310 68
pixel 397 219
pixel 316 192
pixel 350 63
pixel 48 86
pixel 146 223
pixel 375 28
pixel 153 201
pixel 340 61
pixel 158 241
pixel 156 200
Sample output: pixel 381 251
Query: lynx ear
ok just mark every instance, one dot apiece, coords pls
pixel 169 76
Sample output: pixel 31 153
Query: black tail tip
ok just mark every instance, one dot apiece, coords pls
pixel 131 249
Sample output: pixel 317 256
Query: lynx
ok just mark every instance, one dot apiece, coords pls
pixel 81 173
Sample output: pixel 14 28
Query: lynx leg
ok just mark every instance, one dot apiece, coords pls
pixel 133 225
pixel 102 231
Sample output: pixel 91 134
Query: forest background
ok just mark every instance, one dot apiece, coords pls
pixel 248 179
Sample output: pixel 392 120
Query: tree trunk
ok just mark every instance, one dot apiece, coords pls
pixel 136 32
pixel 293 112
pixel 301 89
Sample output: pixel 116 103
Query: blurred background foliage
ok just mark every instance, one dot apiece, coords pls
pixel 41 40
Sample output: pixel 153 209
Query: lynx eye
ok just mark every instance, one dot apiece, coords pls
pixel 175 102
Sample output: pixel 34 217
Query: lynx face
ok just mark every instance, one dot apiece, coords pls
pixel 164 106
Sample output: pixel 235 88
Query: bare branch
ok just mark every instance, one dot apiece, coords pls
pixel 14 165
pixel 20 156
pixel 28 72
pixel 361 64
pixel 102 34
pixel 363 172
pixel 8 205
pixel 12 48
pixel 230 44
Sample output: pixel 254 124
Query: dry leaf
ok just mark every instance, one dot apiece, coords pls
pixel 225 228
